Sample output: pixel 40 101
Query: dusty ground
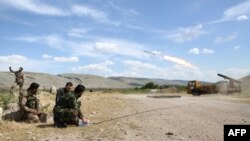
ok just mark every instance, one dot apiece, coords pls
pixel 136 117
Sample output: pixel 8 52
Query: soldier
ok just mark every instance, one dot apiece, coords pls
pixel 60 92
pixel 67 109
pixel 19 79
pixel 30 105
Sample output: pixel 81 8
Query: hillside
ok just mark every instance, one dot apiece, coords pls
pixel 93 81
pixel 245 84
pixel 137 82
pixel 90 81
pixel 45 80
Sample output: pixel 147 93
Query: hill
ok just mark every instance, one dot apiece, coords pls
pixel 90 81
pixel 45 80
pixel 137 82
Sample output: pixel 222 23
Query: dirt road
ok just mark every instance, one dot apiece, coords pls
pixel 136 117
pixel 188 118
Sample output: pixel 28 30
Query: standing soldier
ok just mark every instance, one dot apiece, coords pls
pixel 30 104
pixel 19 79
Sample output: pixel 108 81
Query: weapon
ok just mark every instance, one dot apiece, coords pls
pixel 150 52
pixel 234 85
pixel 228 78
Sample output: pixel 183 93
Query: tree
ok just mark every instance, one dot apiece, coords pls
pixel 150 85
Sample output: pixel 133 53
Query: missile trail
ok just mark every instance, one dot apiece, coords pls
pixel 173 59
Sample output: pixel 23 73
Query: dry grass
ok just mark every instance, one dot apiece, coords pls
pixel 48 100
pixel 12 126
pixel 96 106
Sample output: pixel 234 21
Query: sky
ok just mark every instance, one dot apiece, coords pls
pixel 187 40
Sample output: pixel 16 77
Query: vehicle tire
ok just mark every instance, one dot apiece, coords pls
pixel 196 93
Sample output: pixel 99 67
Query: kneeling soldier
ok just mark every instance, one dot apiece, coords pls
pixel 30 104
pixel 67 109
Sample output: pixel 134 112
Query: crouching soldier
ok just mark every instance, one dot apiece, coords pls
pixel 67 110
pixel 30 104
pixel 60 92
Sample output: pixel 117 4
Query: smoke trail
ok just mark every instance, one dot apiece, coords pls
pixel 172 59
pixel 178 61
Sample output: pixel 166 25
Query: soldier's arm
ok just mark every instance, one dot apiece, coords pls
pixel 24 107
pixel 59 94
pixel 80 114
pixel 23 104
pixel 11 70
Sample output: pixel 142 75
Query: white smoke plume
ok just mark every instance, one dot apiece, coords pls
pixel 172 59
pixel 178 61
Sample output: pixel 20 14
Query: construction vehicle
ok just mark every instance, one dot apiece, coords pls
pixel 196 87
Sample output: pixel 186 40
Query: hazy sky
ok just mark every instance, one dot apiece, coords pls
pixel 194 39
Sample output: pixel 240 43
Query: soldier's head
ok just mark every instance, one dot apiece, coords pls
pixel 33 88
pixel 79 90
pixel 69 86
pixel 20 69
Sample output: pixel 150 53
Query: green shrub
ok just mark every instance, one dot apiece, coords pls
pixel 150 85
pixel 6 98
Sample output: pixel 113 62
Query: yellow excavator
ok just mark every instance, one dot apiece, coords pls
pixel 231 85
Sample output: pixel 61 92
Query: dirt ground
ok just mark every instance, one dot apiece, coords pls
pixel 137 117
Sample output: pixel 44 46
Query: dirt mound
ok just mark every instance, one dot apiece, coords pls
pixel 171 92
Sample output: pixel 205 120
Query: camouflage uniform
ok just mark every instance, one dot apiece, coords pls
pixel 60 92
pixel 19 80
pixel 28 102
pixel 67 110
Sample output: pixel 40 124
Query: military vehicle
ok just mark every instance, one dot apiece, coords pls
pixel 196 87
pixel 230 85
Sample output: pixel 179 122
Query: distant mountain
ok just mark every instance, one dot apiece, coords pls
pixel 137 82
pixel 93 81
pixel 90 81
